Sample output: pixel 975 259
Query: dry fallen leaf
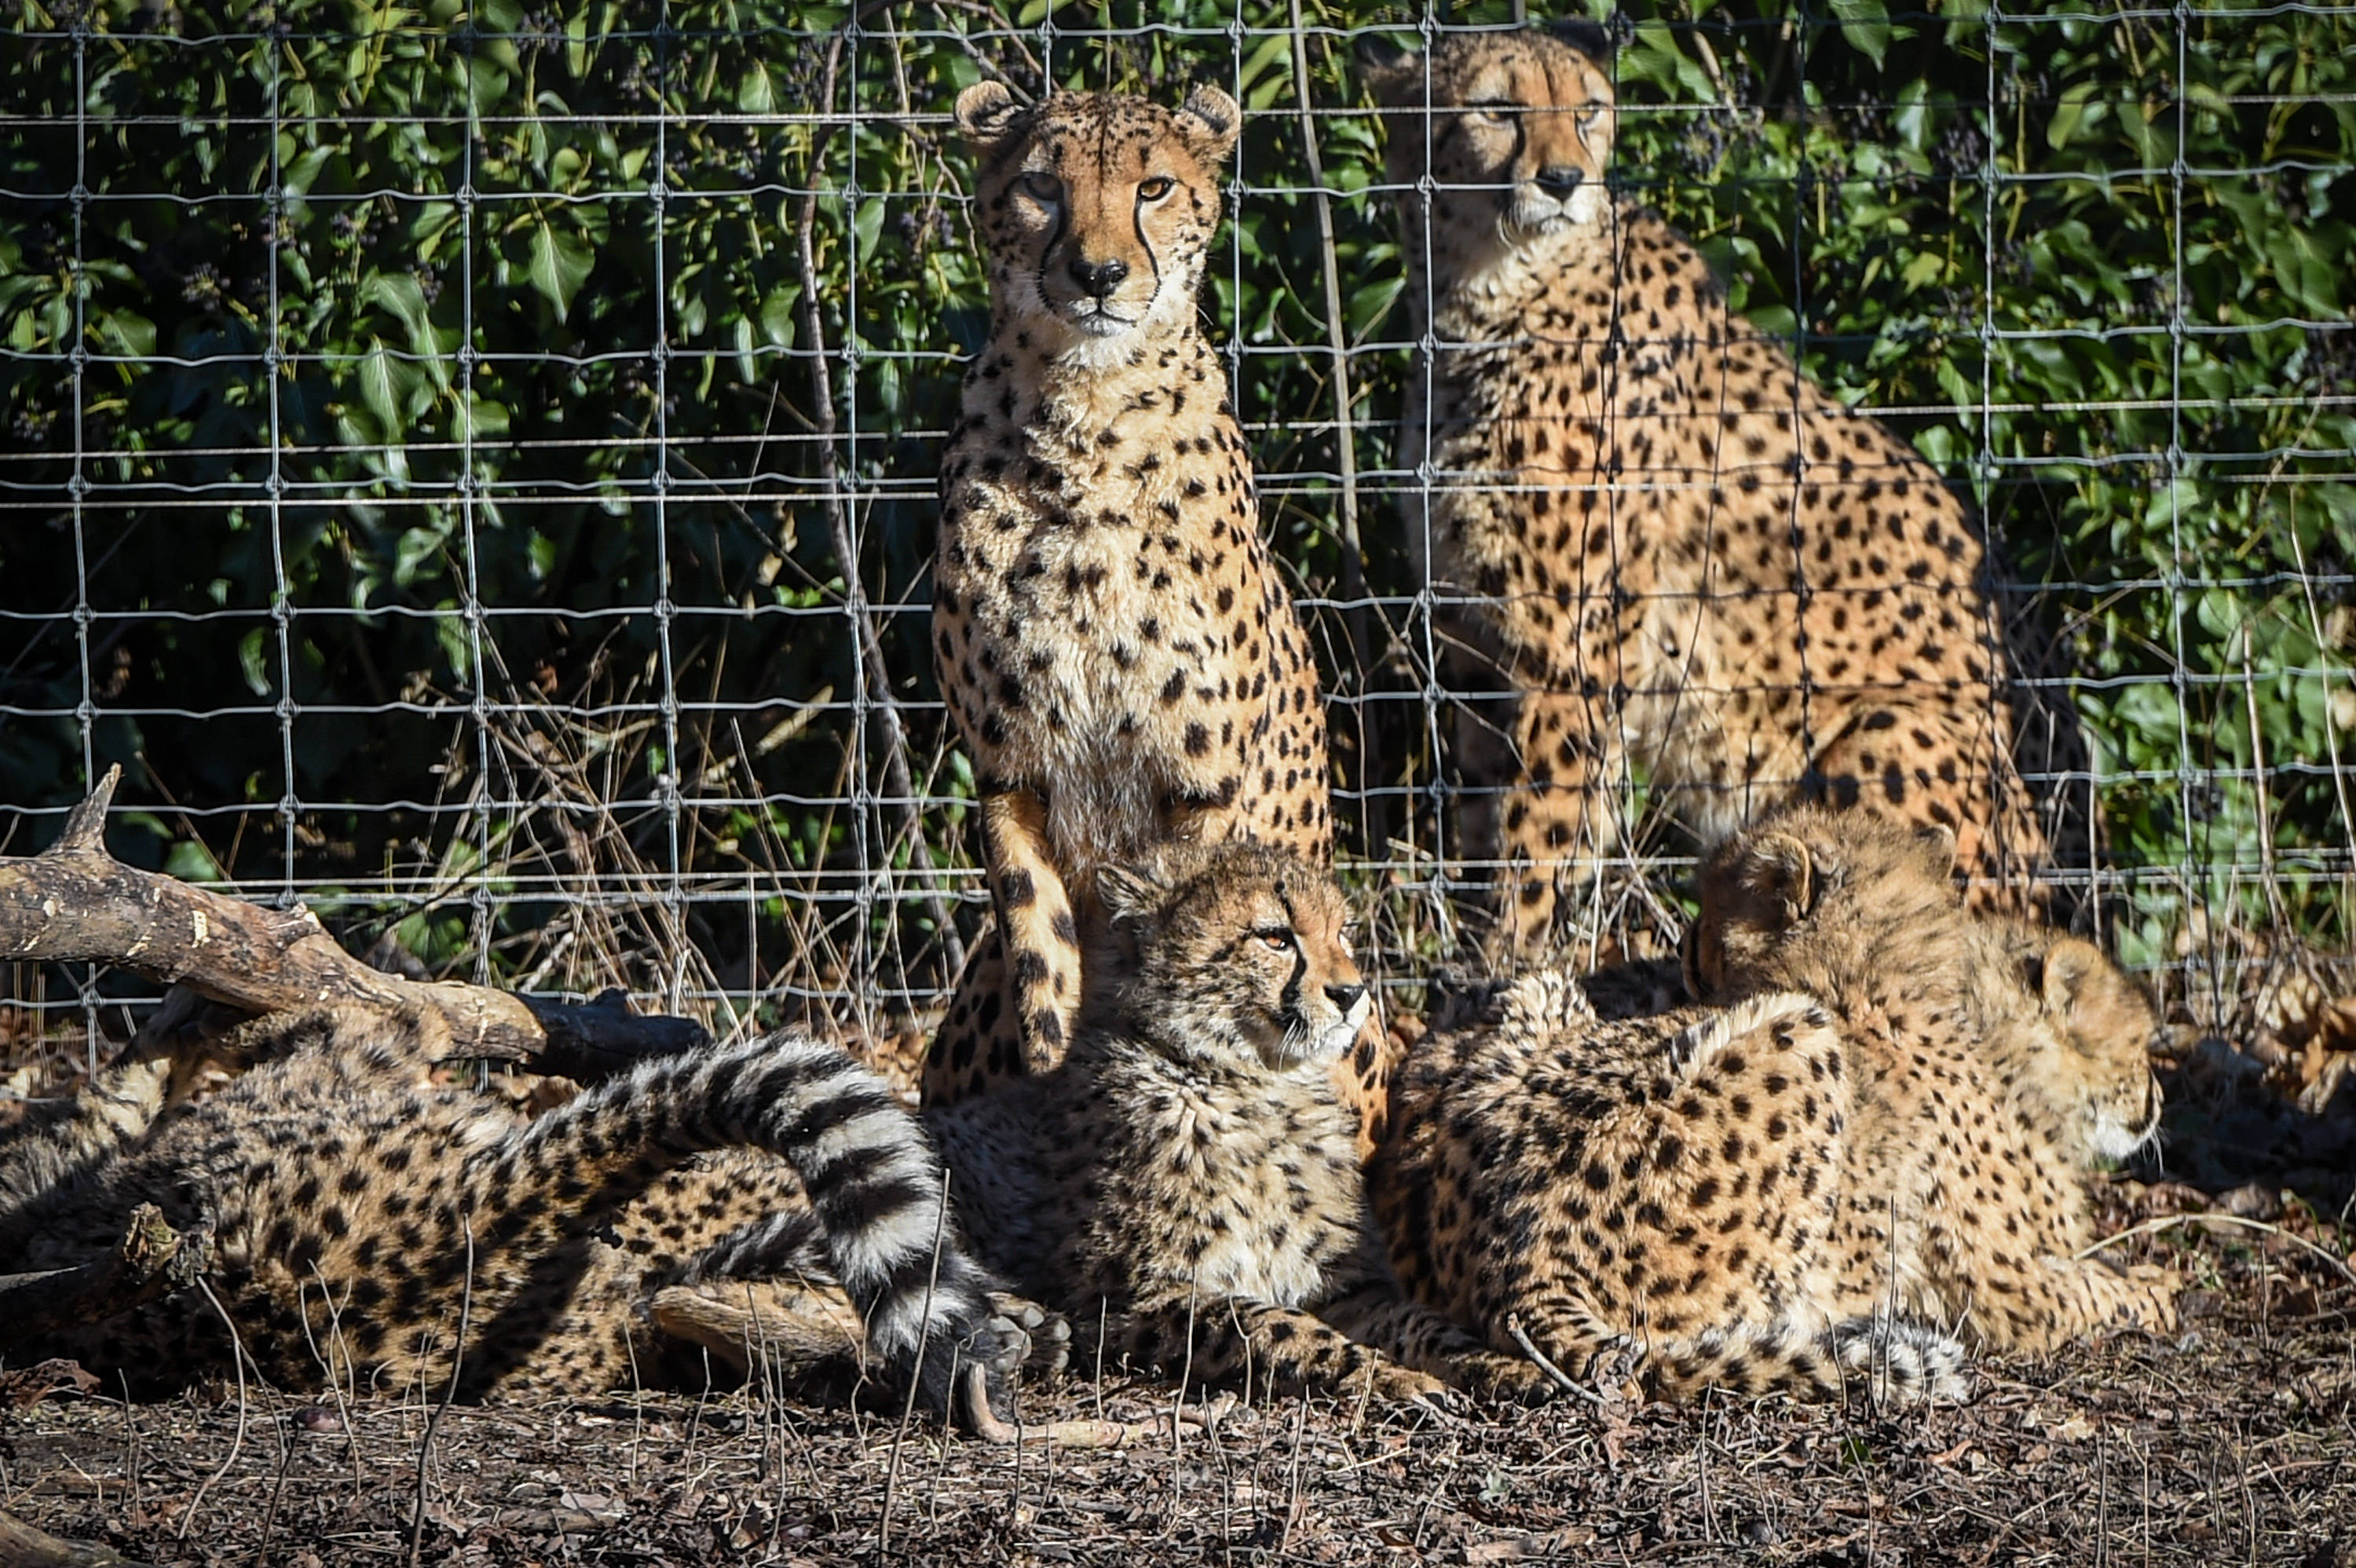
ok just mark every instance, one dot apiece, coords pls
pixel 27 1386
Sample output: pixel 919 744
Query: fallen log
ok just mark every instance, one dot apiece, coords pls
pixel 73 902
pixel 22 1546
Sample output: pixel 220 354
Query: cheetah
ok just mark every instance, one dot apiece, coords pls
pixel 1187 1181
pixel 1656 1195
pixel 1710 1192
pixel 1672 555
pixel 1113 640
pixel 1993 1062
pixel 358 1214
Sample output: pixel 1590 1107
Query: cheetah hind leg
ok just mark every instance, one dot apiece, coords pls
pixel 1895 1360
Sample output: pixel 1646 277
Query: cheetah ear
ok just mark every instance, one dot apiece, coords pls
pixel 2070 963
pixel 1131 892
pixel 1210 122
pixel 1939 843
pixel 1394 73
pixel 989 115
pixel 1592 39
pixel 1778 866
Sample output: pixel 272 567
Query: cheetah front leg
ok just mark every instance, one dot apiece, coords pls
pixel 1419 1338
pixel 1042 940
pixel 979 1041
pixel 1018 998
pixel 1235 1339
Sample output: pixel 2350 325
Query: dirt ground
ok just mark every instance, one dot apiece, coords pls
pixel 2232 1442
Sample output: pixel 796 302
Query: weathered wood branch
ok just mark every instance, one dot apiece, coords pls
pixel 152 1262
pixel 73 902
pixel 22 1546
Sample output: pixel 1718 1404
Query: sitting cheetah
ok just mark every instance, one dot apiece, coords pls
pixel 1190 1171
pixel 1684 559
pixel 1992 1060
pixel 356 1212
pixel 1110 633
pixel 1661 1190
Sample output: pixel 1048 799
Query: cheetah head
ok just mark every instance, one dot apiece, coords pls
pixel 1809 892
pixel 1520 128
pixel 1099 210
pixel 1235 952
pixel 2076 1030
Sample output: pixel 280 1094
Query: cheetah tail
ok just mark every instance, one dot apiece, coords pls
pixel 1897 1360
pixel 873 1181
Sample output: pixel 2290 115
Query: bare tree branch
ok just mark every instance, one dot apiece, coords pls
pixel 75 903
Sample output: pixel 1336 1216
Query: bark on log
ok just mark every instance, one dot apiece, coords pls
pixel 73 902
pixel 22 1546
pixel 153 1261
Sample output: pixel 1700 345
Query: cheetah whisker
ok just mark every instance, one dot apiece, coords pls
pixel 1563 1379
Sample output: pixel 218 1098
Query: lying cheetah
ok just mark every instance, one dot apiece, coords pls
pixel 1110 633
pixel 1660 1191
pixel 1683 558
pixel 1190 1171
pixel 1992 1062
pixel 1711 1190
pixel 357 1212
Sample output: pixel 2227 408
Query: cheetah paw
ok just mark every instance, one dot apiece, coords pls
pixel 1495 1377
pixel 1392 1384
pixel 1044 1338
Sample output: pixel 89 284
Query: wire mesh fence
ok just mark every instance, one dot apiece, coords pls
pixel 473 467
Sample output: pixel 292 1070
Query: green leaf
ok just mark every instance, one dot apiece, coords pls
pixel 559 265
pixel 379 393
pixel 2067 113
pixel 192 862
pixel 1866 25
pixel 866 225
pixel 756 94
pixel 400 294
pixel 777 314
pixel 254 660
pixel 418 546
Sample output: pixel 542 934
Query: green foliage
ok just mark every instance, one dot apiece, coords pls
pixel 383 317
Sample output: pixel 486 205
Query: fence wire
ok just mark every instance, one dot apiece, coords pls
pixel 473 468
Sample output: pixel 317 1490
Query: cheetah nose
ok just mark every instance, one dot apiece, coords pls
pixel 1346 996
pixel 1097 279
pixel 1559 180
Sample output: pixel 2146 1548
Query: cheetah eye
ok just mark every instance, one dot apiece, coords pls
pixel 1491 114
pixel 1043 187
pixel 1589 119
pixel 1155 188
pixel 1275 939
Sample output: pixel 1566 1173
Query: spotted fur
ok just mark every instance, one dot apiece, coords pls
pixel 1679 555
